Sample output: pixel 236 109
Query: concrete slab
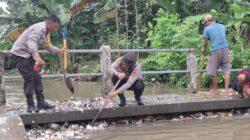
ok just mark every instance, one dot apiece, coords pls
pixel 154 105
pixel 12 128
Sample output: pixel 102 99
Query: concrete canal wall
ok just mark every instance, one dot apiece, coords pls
pixel 12 128
pixel 154 105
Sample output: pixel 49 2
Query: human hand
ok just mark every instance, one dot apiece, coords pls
pixel 121 75
pixel 39 68
pixel 40 62
pixel 38 59
pixel 62 51
pixel 112 94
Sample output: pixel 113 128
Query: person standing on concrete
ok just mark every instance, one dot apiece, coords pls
pixel 220 53
pixel 241 83
pixel 128 69
pixel 24 55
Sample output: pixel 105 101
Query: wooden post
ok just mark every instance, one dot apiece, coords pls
pixel 105 60
pixel 2 83
pixel 192 69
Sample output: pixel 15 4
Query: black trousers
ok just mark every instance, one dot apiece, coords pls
pixel 32 79
pixel 137 87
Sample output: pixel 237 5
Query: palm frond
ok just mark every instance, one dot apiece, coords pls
pixel 14 34
pixel 78 5
pixel 106 12
pixel 63 14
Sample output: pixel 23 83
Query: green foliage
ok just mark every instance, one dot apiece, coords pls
pixel 170 32
pixel 242 60
pixel 177 25
pixel 4 45
pixel 162 34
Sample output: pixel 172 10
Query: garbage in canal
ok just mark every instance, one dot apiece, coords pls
pixel 81 104
pixel 81 130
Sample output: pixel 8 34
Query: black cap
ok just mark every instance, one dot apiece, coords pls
pixel 130 58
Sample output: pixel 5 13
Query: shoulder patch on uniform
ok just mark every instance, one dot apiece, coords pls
pixel 47 42
pixel 133 73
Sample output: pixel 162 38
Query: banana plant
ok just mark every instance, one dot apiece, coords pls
pixel 15 18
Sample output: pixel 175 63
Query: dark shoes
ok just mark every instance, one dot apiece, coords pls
pixel 239 95
pixel 44 105
pixel 32 108
pixel 122 104
pixel 41 104
pixel 139 101
pixel 30 105
pixel 122 100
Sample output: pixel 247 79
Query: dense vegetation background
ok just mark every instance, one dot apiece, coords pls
pixel 131 24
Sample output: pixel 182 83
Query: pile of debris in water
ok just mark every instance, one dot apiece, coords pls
pixel 82 104
pixel 66 105
pixel 80 130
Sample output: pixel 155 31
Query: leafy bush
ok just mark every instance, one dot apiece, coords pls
pixel 170 32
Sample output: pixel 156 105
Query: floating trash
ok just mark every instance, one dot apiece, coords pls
pixel 67 130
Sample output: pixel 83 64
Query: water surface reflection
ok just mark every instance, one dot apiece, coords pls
pixel 211 129
pixel 56 90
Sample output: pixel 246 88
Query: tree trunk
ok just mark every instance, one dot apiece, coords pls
pixel 126 20
pixel 136 19
pixel 116 44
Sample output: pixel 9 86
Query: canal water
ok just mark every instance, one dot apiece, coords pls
pixel 233 128
pixel 225 128
pixel 56 90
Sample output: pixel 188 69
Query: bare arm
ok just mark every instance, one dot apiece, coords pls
pixel 38 59
pixel 245 90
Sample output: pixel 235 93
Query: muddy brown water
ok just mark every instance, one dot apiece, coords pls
pixel 233 128
pixel 229 128
pixel 57 90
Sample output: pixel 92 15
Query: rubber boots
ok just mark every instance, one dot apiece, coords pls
pixel 41 104
pixel 122 100
pixel 30 105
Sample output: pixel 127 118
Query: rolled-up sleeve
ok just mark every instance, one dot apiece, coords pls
pixel 32 41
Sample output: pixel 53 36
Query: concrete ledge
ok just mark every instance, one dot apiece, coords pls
pixel 135 110
pixel 12 128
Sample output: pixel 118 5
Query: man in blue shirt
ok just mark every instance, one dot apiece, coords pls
pixel 220 53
